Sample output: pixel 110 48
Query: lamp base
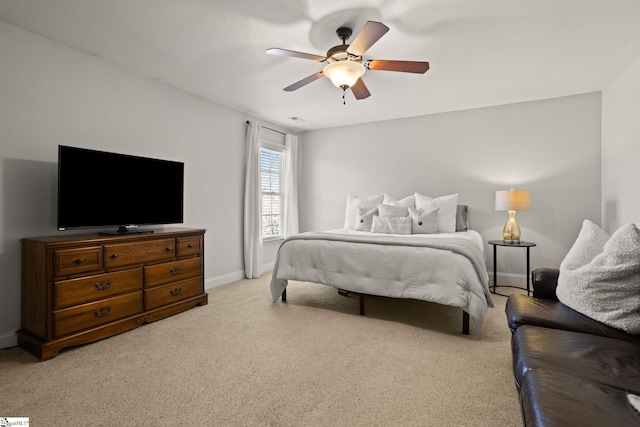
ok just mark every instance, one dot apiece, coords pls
pixel 511 230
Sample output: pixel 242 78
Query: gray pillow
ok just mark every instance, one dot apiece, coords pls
pixel 424 222
pixel 462 218
pixel 364 219
pixel 600 276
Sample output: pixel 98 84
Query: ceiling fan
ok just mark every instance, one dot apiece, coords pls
pixel 345 66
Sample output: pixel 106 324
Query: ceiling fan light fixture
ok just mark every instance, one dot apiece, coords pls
pixel 344 74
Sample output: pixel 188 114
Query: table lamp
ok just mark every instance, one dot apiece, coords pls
pixel 512 201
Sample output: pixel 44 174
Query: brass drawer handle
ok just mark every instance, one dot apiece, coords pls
pixel 103 285
pixel 168 249
pixel 102 311
pixel 80 260
pixel 190 246
pixel 176 291
pixel 114 256
pixel 175 270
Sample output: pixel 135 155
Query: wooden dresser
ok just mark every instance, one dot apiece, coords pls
pixel 82 288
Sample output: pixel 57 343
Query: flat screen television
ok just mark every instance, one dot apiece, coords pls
pixel 100 189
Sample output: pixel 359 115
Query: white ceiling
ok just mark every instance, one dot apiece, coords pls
pixel 481 52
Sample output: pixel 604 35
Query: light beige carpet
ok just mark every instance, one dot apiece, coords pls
pixel 243 360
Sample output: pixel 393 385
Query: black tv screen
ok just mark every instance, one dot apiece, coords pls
pixel 98 188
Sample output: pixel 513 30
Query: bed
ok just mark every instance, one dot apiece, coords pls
pixel 446 268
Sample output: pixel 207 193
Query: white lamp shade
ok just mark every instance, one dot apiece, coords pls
pixel 344 73
pixel 513 200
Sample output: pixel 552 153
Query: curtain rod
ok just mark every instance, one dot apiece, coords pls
pixel 282 133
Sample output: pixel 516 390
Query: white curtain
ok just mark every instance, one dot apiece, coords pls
pixel 252 209
pixel 291 225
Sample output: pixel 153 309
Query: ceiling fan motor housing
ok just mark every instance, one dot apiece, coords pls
pixel 339 52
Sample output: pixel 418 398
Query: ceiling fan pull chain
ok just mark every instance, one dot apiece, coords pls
pixel 344 101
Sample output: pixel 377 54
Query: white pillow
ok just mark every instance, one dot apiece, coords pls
pixel 353 202
pixel 600 276
pixel 364 219
pixel 589 244
pixel 407 201
pixel 390 210
pixel 424 222
pixel 446 215
pixel 391 224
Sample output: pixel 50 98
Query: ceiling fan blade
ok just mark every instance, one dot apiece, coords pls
pixel 360 90
pixel 368 35
pixel 295 54
pixel 402 66
pixel 303 82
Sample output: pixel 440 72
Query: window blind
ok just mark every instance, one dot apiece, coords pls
pixel 271 172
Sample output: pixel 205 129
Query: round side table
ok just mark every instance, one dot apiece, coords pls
pixel 518 244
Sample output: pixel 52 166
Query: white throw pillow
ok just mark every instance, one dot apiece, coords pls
pixel 391 224
pixel 446 215
pixel 600 277
pixel 408 201
pixel 390 210
pixel 589 244
pixel 424 222
pixel 364 219
pixel 353 202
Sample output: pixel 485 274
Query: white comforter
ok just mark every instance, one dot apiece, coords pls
pixel 408 266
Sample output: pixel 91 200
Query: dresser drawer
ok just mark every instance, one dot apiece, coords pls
pixel 86 289
pixel 150 251
pixel 74 319
pixel 161 274
pixel 68 262
pixel 167 294
pixel 189 246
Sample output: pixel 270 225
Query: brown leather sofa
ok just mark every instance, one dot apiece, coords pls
pixel 569 369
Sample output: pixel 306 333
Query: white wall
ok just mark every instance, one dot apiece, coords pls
pixel 50 95
pixel 621 149
pixel 550 147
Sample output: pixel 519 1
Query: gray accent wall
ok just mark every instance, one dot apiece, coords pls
pixel 550 147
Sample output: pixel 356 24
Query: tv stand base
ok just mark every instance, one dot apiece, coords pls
pixel 125 230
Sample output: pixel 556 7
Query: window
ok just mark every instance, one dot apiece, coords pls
pixel 271 170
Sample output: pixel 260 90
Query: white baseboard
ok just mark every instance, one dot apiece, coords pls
pixel 8 339
pixel 510 279
pixel 213 282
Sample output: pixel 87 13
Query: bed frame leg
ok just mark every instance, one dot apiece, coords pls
pixel 284 296
pixel 465 323
pixel 361 304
